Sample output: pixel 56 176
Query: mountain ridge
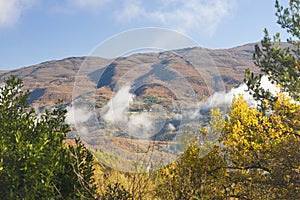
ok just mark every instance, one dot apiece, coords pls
pixel 54 79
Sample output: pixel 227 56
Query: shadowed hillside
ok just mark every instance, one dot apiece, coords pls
pixel 52 80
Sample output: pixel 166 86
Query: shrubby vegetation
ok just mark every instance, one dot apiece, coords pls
pixel 256 156
pixel 35 161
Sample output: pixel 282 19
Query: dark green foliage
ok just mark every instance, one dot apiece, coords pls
pixel 280 64
pixel 289 18
pixel 35 162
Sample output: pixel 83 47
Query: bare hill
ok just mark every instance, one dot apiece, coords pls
pixel 53 80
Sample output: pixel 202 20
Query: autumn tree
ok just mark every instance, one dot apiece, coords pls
pixel 262 151
pixel 200 172
pixel 193 176
pixel 262 145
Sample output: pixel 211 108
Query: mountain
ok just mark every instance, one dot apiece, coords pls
pixel 140 108
pixel 53 80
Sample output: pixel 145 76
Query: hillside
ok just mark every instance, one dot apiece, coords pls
pixel 52 80
pixel 140 103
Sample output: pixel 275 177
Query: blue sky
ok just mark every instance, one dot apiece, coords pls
pixel 33 31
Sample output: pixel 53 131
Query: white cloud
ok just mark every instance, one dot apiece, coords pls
pixel 184 16
pixel 12 10
pixel 118 106
pixel 77 115
pixel 222 98
pixel 194 15
pixel 90 4
pixel 131 9
pixel 267 85
pixel 140 125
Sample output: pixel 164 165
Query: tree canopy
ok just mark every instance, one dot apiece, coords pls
pixel 35 161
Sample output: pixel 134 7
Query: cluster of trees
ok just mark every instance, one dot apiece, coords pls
pixel 258 154
pixel 35 161
pixel 256 157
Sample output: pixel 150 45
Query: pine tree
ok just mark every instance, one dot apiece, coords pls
pixel 281 63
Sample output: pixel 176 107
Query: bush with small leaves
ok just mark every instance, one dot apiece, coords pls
pixel 35 161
